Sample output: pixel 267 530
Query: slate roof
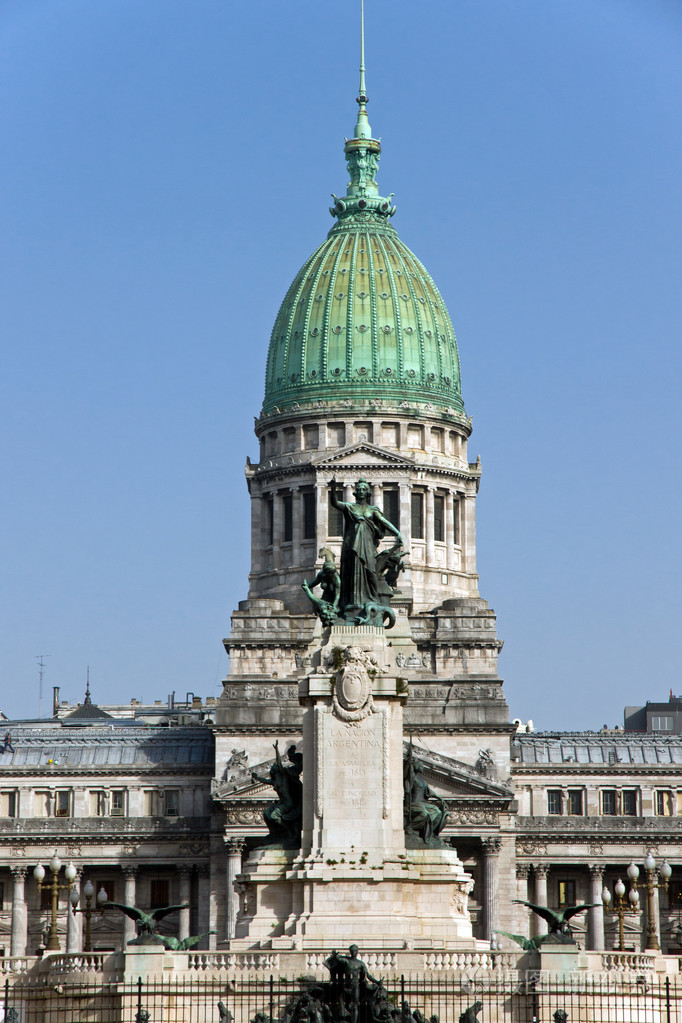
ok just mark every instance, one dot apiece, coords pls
pixel 596 748
pixel 109 745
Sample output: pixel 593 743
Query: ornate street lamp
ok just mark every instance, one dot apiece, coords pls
pixel 663 873
pixel 88 892
pixel 55 865
pixel 620 905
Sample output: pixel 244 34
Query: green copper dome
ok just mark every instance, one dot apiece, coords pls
pixel 363 318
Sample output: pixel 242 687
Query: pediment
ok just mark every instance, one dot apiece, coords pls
pixel 362 454
pixel 453 779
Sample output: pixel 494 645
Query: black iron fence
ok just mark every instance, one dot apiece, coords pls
pixel 516 997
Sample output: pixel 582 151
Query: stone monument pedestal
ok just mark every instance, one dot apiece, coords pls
pixel 353 878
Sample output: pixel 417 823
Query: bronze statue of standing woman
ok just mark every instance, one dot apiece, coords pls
pixel 364 525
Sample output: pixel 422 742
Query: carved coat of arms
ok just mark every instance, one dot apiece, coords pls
pixel 352 691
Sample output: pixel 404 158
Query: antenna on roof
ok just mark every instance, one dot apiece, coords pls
pixel 40 658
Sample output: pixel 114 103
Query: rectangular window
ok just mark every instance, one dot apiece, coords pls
pixel 269 522
pixel 287 518
pixel 288 439
pixel 554 802
pixel 336 435
pixel 415 437
pixel 171 802
pixel 159 894
pixel 41 804
pixel 2 895
pixel 662 723
pixel 151 803
pixel 391 499
pixel 45 892
pixel 608 803
pixel 309 517
pixel 629 802
pixel 97 804
pixel 335 517
pixel 437 439
pixel 117 803
pixel 566 893
pixel 8 804
pixel 575 804
pixel 664 804
pixel 417 524
pixel 62 804
pixel 109 886
pixel 439 518
pixel 311 438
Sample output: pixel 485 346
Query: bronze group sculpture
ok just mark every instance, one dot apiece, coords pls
pixel 424 812
pixel 285 816
pixel 361 590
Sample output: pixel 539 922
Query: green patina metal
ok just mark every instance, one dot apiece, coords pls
pixel 363 319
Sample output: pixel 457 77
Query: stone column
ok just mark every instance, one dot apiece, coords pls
pixel 450 530
pixel 597 912
pixel 428 528
pixel 129 899
pixel 185 894
pixel 522 874
pixel 203 898
pixel 296 526
pixel 19 918
pixel 234 867
pixel 491 853
pixel 540 872
pixel 405 513
pixel 74 942
pixel 277 530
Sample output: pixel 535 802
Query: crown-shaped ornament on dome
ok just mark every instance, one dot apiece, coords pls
pixel 362 197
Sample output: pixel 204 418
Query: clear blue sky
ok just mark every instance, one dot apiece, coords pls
pixel 166 168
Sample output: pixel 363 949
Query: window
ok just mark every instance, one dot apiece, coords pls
pixel 608 803
pixel 62 804
pixel 390 435
pixel 117 803
pixel 566 893
pixel 311 438
pixel 287 518
pixel 417 508
pixel 46 892
pixel 554 802
pixel 629 802
pixel 662 723
pixel 336 435
pixel 439 518
pixel 391 499
pixel 415 436
pixel 41 804
pixel 335 517
pixel 171 802
pixel 97 804
pixel 159 894
pixel 151 803
pixel 288 439
pixel 309 517
pixel 575 806
pixel 269 522
pixel 437 439
pixel 663 803
pixel 2 895
pixel 8 804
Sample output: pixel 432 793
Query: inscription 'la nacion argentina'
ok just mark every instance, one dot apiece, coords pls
pixel 359 743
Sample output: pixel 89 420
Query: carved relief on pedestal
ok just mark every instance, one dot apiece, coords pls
pixel 352 694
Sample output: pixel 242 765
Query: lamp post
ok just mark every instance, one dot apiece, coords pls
pixel 663 873
pixel 620 905
pixel 88 892
pixel 55 865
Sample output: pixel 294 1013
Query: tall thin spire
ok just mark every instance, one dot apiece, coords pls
pixel 362 127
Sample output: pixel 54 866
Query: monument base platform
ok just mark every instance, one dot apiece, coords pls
pixel 416 899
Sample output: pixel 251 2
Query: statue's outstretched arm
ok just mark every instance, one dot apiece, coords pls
pixel 389 526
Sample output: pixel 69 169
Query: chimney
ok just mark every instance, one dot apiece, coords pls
pixel 55 700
